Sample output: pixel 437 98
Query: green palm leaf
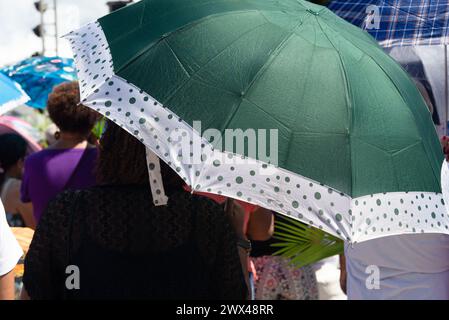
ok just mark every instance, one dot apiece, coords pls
pixel 303 244
pixel 99 128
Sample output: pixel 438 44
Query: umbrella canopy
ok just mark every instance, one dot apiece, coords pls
pixel 398 22
pixel 18 126
pixel 358 155
pixel 11 94
pixel 39 75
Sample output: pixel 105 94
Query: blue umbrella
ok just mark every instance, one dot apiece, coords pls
pixel 11 94
pixel 398 22
pixel 39 75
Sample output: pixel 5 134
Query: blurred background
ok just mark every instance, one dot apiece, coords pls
pixel 27 25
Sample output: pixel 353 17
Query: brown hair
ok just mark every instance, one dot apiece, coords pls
pixel 66 111
pixel 122 161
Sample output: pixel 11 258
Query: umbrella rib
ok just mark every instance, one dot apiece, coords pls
pixel 417 117
pixel 373 59
pixel 435 171
pixel 176 57
pixel 143 13
pixel 406 148
pixel 348 101
pixel 265 66
pixel 183 28
pixel 303 91
pixel 274 54
pixel 374 146
pixel 266 113
pixel 203 83
pixel 208 62
pixel 389 155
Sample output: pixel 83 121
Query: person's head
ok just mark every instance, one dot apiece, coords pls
pixel 66 111
pixel 122 161
pixel 13 150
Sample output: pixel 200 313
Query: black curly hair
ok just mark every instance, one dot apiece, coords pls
pixel 122 161
pixel 12 148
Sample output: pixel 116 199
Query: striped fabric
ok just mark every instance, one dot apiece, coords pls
pixel 398 22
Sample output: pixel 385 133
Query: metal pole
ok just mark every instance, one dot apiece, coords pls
pixel 56 25
pixel 41 27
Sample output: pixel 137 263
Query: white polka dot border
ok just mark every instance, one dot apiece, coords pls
pixel 353 220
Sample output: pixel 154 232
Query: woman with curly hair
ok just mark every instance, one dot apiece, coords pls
pixel 69 162
pixel 126 247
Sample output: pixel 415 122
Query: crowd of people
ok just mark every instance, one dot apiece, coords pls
pixel 90 204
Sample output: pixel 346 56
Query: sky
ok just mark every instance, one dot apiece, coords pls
pixel 19 17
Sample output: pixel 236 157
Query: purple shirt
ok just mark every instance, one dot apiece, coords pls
pixel 51 171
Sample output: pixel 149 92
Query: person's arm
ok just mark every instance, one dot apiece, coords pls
pixel 26 212
pixel 260 225
pixel 343 273
pixel 7 286
pixel 236 215
pixel 24 209
pixel 231 272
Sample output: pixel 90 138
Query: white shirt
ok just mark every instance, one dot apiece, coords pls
pixel 409 266
pixel 10 251
pixel 406 267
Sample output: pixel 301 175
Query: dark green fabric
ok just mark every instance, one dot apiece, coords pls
pixel 348 116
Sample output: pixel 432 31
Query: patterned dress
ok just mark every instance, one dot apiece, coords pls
pixel 277 279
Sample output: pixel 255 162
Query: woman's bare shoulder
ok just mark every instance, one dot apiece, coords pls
pixel 11 194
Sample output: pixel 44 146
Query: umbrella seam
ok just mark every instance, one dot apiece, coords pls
pixel 175 90
pixel 183 28
pixel 268 114
pixel 436 174
pixel 406 148
pixel 188 26
pixel 164 40
pixel 427 148
pixel 265 66
pixel 275 53
pixel 373 145
pixel 350 104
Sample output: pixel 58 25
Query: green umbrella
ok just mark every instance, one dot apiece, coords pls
pixel 356 151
